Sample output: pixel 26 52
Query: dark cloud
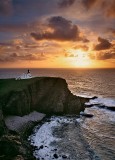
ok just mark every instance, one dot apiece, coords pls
pixel 65 3
pixel 103 55
pixel 61 30
pixel 5 7
pixel 88 3
pixel 103 44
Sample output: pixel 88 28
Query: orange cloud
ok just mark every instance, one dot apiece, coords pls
pixel 83 47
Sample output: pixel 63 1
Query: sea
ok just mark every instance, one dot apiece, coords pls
pixel 77 138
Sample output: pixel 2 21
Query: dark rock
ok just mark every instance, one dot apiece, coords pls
pixel 86 115
pixel 8 148
pixel 41 147
pixel 64 156
pixel 95 97
pixel 19 157
pixel 2 124
pixel 55 156
pixel 89 105
pixel 101 106
pixel 111 108
pixel 55 149
pixel 13 145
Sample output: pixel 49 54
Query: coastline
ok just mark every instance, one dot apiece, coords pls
pixel 18 99
pixel 34 92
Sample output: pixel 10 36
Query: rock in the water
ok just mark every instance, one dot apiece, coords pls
pixel 64 156
pixel 89 105
pixel 111 108
pixel 41 147
pixel 95 97
pixel 86 114
pixel 55 156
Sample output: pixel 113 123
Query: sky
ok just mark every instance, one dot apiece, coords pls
pixel 57 33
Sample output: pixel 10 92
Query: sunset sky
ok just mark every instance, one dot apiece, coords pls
pixel 57 33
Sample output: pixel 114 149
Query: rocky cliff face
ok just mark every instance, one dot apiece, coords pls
pixel 47 95
pixel 2 124
pixel 19 98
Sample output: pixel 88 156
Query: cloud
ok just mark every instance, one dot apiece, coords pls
pixel 104 6
pixel 88 4
pixel 15 57
pixel 111 31
pixel 103 44
pixel 110 11
pixel 103 55
pixel 65 3
pixel 83 47
pixel 61 29
pixel 71 55
pixel 5 7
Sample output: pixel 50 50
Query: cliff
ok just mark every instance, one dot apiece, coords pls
pixel 46 95
pixel 20 102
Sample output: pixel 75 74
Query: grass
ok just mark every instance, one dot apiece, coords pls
pixel 7 85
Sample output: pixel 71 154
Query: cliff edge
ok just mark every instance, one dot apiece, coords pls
pixel 46 95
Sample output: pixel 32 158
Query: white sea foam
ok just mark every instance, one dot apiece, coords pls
pixel 105 101
pixel 43 138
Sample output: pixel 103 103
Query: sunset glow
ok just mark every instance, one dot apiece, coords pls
pixel 57 34
pixel 80 59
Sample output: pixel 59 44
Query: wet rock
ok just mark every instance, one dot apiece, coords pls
pixel 55 149
pixel 101 106
pixel 55 156
pixel 86 115
pixel 95 97
pixel 89 105
pixel 64 156
pixel 111 108
pixel 41 147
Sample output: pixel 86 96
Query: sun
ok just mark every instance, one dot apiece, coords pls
pixel 80 58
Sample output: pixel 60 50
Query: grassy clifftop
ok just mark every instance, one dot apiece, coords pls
pixel 8 85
